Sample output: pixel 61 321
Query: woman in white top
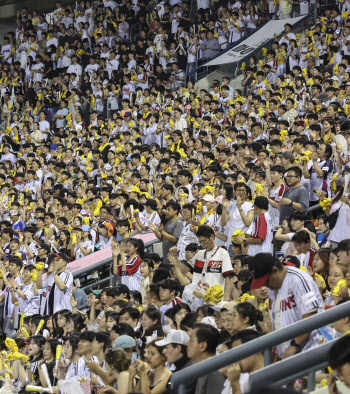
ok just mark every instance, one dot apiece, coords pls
pixel 84 245
pixel 341 205
pixel 73 364
pixel 239 213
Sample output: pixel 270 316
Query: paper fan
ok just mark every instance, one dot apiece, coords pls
pixel 341 142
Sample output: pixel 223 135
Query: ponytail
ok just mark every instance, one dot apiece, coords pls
pixel 139 245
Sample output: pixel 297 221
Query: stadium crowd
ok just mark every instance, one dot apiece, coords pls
pixel 104 138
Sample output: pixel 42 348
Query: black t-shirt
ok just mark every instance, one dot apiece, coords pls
pixel 129 15
pixel 63 39
pixel 186 24
pixel 74 38
pixel 47 66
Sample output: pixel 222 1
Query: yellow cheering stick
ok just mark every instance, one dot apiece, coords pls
pixel 38 389
pixel 25 332
pixel 39 327
pixel 58 357
pixel 334 184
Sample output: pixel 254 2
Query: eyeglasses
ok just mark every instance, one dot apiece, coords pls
pixel 291 176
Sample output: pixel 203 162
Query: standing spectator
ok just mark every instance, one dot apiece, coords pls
pixel 260 241
pixel 210 47
pixel 212 264
pixel 293 296
pixel 296 198
pixel 170 233
pixel 57 286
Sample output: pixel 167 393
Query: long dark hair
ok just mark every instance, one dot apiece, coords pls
pixel 139 246
pixel 53 343
pixel 246 309
pixel 78 321
pixel 153 314
pixel 39 340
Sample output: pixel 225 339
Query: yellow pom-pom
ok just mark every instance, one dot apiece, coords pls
pixel 325 203
pixel 259 188
pixel 341 283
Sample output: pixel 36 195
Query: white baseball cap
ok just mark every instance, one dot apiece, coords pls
pixel 174 336
pixel 208 198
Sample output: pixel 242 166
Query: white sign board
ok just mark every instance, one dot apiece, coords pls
pixel 253 42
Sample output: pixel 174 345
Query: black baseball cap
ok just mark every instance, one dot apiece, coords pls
pixel 261 266
pixel 45 247
pixel 120 289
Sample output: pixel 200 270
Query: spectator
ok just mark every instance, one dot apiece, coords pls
pixel 285 298
pixel 202 346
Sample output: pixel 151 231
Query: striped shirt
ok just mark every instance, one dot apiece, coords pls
pixel 211 267
pixel 79 368
pixel 61 299
pixel 132 276
pixel 276 194
pixel 262 228
pixel 298 296
pixel 31 304
pixel 306 260
pixel 9 308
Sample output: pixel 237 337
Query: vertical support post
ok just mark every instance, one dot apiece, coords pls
pixel 182 389
pixel 311 381
pixel 267 356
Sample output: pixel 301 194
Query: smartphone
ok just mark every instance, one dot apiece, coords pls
pixel 134 357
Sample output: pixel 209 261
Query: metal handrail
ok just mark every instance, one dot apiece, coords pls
pixel 263 344
pixel 286 371
pixel 105 262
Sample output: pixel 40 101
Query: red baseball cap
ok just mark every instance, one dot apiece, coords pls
pixel 261 266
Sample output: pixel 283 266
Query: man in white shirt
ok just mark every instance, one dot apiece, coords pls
pixel 57 286
pixel 51 39
pixel 81 18
pixel 180 122
pixel 75 67
pixel 287 36
pixel 44 125
pixel 112 64
pixel 60 115
pixel 93 66
pixel 38 69
pixel 293 296
pixel 6 51
pixel 15 281
pixel 212 264
pixel 128 88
